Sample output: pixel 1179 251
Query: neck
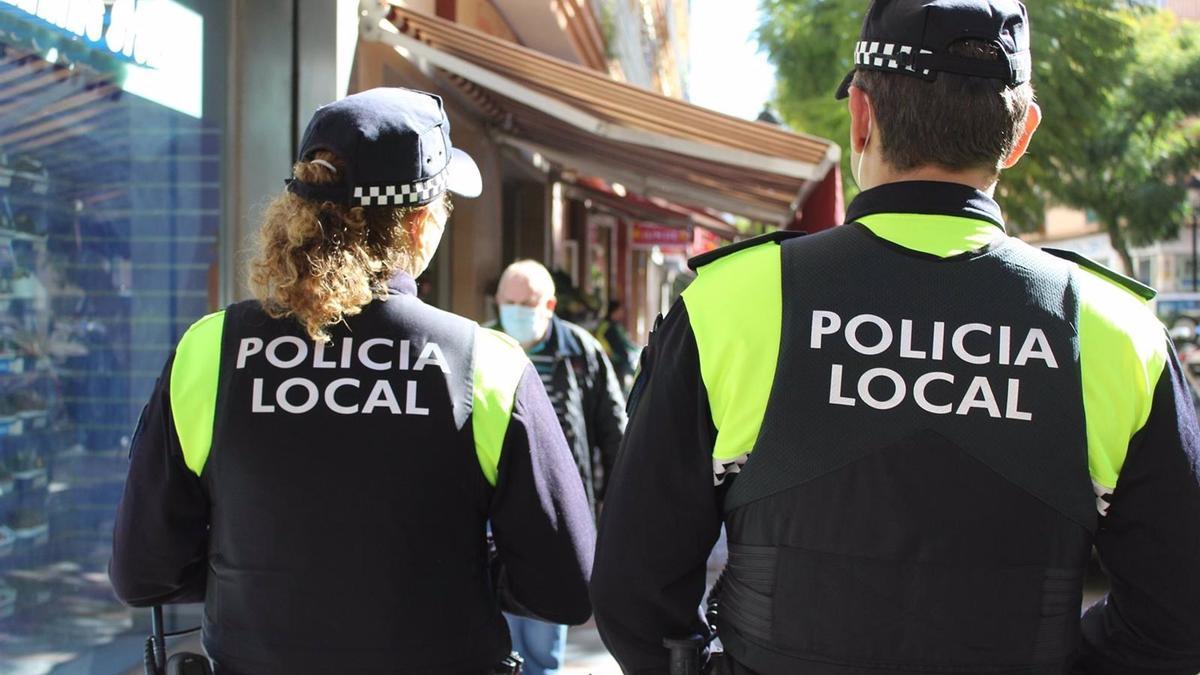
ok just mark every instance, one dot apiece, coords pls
pixel 982 180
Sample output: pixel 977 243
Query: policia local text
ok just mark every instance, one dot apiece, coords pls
pixel 344 396
pixel 936 392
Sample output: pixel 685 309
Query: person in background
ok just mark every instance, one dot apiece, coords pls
pixel 319 465
pixel 615 339
pixel 586 395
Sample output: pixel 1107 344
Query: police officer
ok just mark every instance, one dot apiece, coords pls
pixel 913 427
pixel 318 466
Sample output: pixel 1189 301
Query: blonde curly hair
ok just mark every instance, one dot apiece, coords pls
pixel 322 262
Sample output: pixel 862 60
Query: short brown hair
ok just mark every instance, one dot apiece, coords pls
pixel 956 122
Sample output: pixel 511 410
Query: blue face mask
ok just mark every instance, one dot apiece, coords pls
pixel 522 323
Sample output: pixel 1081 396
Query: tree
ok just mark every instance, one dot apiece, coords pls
pixel 1136 165
pixel 1115 84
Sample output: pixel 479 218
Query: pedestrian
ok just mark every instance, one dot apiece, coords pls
pixel 621 350
pixel 913 427
pixel 319 465
pixel 591 409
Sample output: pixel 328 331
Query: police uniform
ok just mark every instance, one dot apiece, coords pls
pixel 328 502
pixel 914 428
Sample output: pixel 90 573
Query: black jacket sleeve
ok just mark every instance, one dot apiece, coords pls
pixel 606 415
pixel 1149 543
pixel 540 515
pixel 160 541
pixel 662 515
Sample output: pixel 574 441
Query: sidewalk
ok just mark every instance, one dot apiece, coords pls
pixel 586 654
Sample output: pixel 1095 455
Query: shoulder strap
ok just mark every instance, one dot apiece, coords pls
pixel 1136 287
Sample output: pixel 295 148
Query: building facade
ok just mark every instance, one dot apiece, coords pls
pixel 140 140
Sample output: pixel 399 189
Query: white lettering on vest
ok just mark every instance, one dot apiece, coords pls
pixel 906 337
pixel 382 395
pixel 1010 407
pixel 939 340
pixel 410 401
pixel 960 350
pixel 246 348
pixel 405 348
pixel 331 396
pixel 919 393
pixel 319 360
pixel 310 402
pixel 979 395
pixel 835 387
pixel 823 323
pixel 273 352
pixel 885 338
pixel 432 355
pixel 898 388
pixel 256 398
pixel 364 353
pixel 1036 347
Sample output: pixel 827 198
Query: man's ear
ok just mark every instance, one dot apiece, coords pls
pixel 860 119
pixel 1033 118
pixel 552 303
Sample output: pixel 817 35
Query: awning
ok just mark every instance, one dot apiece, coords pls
pixel 651 209
pixel 578 118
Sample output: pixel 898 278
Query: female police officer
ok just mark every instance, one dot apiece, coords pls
pixel 318 466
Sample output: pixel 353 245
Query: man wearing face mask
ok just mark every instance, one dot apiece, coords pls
pixel 914 427
pixel 586 395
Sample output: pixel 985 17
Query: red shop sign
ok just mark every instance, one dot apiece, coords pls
pixel 648 234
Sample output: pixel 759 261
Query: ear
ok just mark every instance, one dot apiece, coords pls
pixel 1033 118
pixel 860 119
pixel 552 303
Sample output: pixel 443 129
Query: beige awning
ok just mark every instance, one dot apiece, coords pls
pixel 582 119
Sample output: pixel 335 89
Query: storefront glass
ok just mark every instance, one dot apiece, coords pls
pixel 111 120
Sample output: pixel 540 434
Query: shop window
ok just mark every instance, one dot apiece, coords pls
pixel 110 209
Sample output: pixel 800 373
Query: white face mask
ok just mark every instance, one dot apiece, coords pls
pixel 524 324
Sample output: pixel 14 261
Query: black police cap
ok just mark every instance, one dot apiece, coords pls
pixel 913 37
pixel 395 144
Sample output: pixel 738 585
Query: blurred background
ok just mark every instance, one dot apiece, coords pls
pixel 140 138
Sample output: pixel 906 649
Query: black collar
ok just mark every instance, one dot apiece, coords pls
pixel 926 197
pixel 402 283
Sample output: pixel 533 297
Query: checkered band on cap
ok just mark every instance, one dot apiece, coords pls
pixel 886 56
pixel 408 194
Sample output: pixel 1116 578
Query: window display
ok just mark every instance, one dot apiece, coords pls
pixel 110 208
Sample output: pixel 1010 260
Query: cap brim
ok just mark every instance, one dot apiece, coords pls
pixel 843 90
pixel 462 175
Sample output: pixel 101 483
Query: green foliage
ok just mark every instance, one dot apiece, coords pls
pixel 1116 86
pixel 1134 170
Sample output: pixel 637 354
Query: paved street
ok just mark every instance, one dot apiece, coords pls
pixel 586 654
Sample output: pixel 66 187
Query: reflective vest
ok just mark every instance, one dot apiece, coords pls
pixel 350 486
pixel 923 418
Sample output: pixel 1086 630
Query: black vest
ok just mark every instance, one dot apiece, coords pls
pixel 348 505
pixel 918 499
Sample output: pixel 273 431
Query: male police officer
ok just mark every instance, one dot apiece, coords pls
pixel 918 426
pixel 328 499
